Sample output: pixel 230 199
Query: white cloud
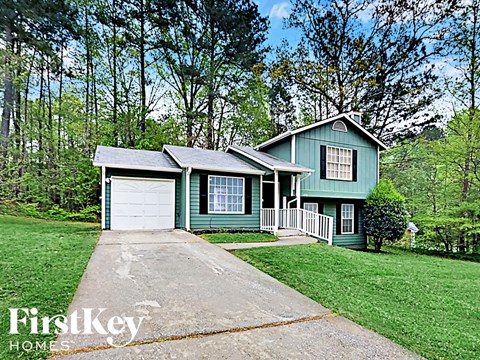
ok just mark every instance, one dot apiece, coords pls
pixel 280 10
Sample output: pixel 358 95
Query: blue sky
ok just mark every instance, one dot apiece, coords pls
pixel 276 11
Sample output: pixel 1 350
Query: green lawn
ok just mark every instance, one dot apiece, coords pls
pixel 427 304
pixel 41 264
pixel 217 238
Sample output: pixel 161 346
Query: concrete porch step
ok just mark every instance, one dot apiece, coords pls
pixel 289 232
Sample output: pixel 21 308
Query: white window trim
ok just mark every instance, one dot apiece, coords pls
pixel 341 130
pixel 353 220
pixel 310 203
pixel 351 163
pixel 243 195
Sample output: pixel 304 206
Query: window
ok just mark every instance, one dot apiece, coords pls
pixel 313 207
pixel 347 218
pixel 339 126
pixel 339 163
pixel 226 194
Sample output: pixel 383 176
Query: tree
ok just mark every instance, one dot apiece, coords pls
pixel 37 25
pixel 208 50
pixel 282 108
pixel 385 216
pixel 368 55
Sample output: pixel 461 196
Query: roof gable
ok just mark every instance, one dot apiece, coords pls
pixel 320 123
pixel 133 159
pixel 267 160
pixel 209 160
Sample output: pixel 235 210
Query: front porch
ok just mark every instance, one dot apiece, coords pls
pixel 289 214
pixel 314 224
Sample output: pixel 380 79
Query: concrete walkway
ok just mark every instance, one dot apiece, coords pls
pixel 283 241
pixel 201 302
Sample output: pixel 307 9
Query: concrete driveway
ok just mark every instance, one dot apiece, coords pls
pixel 201 302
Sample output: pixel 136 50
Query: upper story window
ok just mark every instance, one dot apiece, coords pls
pixel 339 126
pixel 226 194
pixel 339 163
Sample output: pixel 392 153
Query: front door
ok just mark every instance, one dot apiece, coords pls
pixel 268 196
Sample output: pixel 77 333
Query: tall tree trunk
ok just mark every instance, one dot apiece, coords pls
pixel 87 86
pixel 41 104
pixel 143 81
pixel 211 76
pixel 60 99
pixel 7 101
pixel 114 59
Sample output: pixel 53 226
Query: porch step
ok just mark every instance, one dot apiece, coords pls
pixel 289 232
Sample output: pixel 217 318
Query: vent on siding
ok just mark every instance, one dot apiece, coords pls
pixel 339 126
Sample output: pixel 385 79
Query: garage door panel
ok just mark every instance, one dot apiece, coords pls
pixel 128 198
pixel 157 210
pixel 131 210
pixel 142 204
pixel 155 199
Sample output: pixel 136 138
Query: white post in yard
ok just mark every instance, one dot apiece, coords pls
pixel 187 199
pixel 104 183
pixel 277 201
pixel 298 194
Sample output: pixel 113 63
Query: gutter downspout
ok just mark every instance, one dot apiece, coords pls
pixel 187 199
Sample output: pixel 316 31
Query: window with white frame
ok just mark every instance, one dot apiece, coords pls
pixel 226 194
pixel 347 218
pixel 313 207
pixel 339 126
pixel 339 163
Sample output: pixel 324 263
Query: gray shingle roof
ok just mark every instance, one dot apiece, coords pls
pixel 270 161
pixel 134 159
pixel 209 160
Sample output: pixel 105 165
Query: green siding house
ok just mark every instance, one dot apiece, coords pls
pixel 314 179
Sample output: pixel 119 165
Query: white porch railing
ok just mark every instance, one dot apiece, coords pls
pixel 267 219
pixel 318 225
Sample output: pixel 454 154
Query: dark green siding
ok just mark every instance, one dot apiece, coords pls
pixel 349 240
pixel 179 198
pixel 281 149
pixel 307 150
pixel 308 154
pixel 223 221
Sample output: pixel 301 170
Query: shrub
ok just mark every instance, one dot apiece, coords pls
pixel 89 214
pixel 385 215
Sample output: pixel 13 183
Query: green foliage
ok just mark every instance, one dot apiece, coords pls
pixel 89 214
pixel 385 216
pixel 424 303
pixel 438 173
pixel 384 193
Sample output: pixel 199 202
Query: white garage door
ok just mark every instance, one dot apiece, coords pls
pixel 142 204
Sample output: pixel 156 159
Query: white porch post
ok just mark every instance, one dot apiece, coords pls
pixel 104 183
pixel 277 201
pixel 261 191
pixel 187 199
pixel 298 194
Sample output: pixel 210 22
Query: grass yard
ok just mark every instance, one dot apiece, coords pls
pixel 217 238
pixel 41 264
pixel 428 304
